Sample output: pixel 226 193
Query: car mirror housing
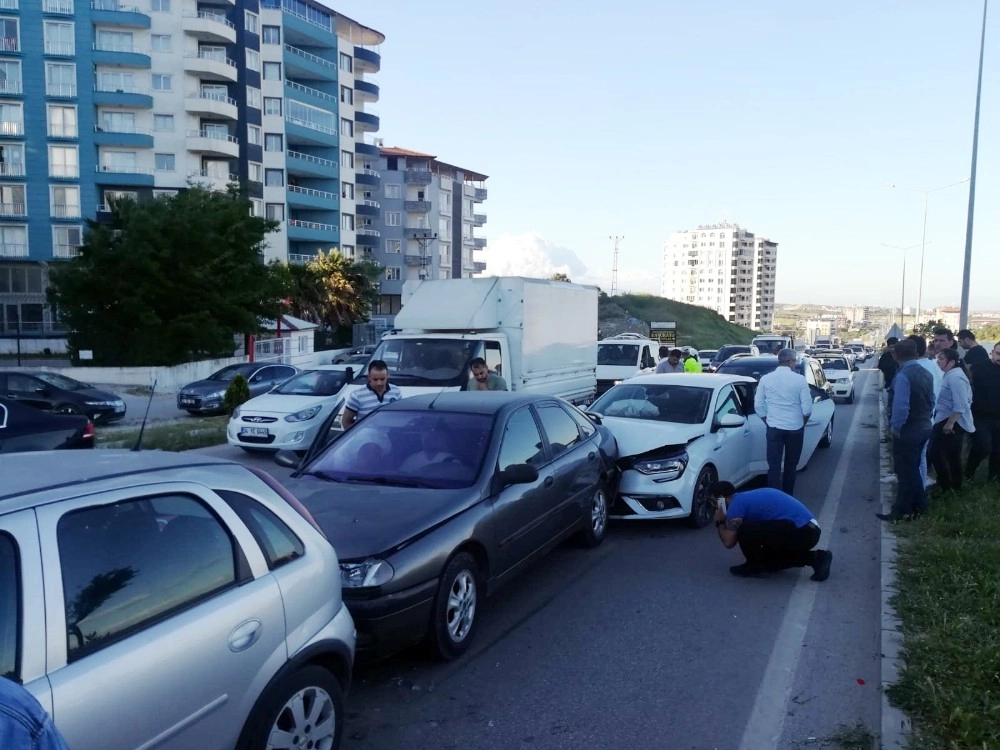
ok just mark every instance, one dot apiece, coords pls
pixel 856 368
pixel 730 421
pixel 287 459
pixel 518 474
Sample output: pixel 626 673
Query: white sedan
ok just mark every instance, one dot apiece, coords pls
pixel 677 434
pixel 839 371
pixel 288 416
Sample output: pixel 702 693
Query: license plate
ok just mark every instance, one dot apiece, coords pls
pixel 255 432
pixel 187 400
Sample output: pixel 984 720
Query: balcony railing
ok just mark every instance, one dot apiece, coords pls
pixel 299 258
pixel 60 89
pixel 310 125
pixel 55 6
pixel 13 209
pixel 11 170
pixel 112 89
pixel 10 44
pixel 65 251
pixel 309 90
pixel 312 225
pixel 210 175
pixel 122 170
pixel 214 135
pixel 13 250
pixel 108 127
pixel 310 158
pixel 11 87
pixel 12 5
pixel 211 56
pixel 324 194
pixel 369 172
pixel 120 47
pixel 366 202
pixel 211 96
pixel 9 127
pixel 310 57
pixel 368 233
pixel 64 211
pixel 292 9
pixel 115 5
pixel 66 49
pixel 207 15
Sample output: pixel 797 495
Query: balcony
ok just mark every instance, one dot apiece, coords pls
pixel 419 233
pixel 13 250
pixel 366 91
pixel 9 5
pixel 308 133
pixel 206 26
pixel 211 67
pixel 478 266
pixel 12 169
pixel 109 174
pixel 65 211
pixel 214 105
pixel 212 180
pixel 299 163
pixel 312 231
pixel 11 88
pixel 479 195
pixel 417 260
pixel 310 198
pixel 366 122
pixel 368 238
pixel 211 142
pixel 300 259
pixel 417 207
pixel 368 178
pixel 123 97
pixel 417 177
pixel 479 242
pixel 118 14
pixel 306 66
pixel 300 29
pixel 60 90
pixel 368 208
pixel 367 60
pixel 366 149
pixel 63 7
pixel 13 210
pixel 309 95
pixel 120 56
pixel 119 135
pixel 60 49
pixel 11 129
pixel 65 251
pixel 478 219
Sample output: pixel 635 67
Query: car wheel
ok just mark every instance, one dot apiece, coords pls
pixel 827 440
pixel 702 504
pixel 302 709
pixel 454 622
pixel 596 521
pixel 850 397
pixel 69 409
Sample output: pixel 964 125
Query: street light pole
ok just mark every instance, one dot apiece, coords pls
pixel 902 301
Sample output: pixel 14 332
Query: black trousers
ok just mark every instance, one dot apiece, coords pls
pixel 985 442
pixel 945 454
pixel 776 545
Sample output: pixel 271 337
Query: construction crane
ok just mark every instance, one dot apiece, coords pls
pixel 614 266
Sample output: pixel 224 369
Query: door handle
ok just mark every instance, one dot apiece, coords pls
pixel 548 481
pixel 245 635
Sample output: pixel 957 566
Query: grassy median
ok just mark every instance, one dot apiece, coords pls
pixel 949 603
pixel 196 432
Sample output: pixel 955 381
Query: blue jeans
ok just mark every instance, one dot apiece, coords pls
pixel 787 443
pixel 23 722
pixel 907 450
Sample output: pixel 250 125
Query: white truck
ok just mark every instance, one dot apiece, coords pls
pixel 772 343
pixel 539 335
pixel 622 357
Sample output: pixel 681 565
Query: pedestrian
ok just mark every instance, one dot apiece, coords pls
pixel 24 724
pixel 378 391
pixel 910 423
pixel 774 530
pixel 887 364
pixel 784 403
pixel 691 363
pixel 952 421
pixel 937 376
pixel 943 339
pixel 986 413
pixel 483 379
pixel 974 351
pixel 670 361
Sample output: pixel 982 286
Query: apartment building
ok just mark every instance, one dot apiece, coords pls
pixel 420 223
pixel 725 268
pixel 102 99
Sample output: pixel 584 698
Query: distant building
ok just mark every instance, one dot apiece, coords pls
pixel 725 268
pixel 949 316
pixel 816 328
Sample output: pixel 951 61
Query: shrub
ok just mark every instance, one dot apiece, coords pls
pixel 237 393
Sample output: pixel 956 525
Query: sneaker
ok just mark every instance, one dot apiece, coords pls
pixel 888 479
pixel 746 570
pixel 821 568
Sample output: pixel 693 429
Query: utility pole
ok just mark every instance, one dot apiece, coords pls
pixel 614 266
pixel 963 315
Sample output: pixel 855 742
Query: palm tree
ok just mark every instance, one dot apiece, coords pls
pixel 332 290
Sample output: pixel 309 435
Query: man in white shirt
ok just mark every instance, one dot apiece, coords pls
pixel 784 403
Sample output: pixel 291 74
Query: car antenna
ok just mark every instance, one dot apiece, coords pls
pixel 142 427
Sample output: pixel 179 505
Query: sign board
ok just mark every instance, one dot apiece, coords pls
pixel 665 332
pixel 85 354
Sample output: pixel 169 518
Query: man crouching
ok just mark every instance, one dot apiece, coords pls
pixel 774 530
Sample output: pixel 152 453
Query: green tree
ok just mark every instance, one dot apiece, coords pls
pixel 332 289
pixel 168 280
pixel 926 329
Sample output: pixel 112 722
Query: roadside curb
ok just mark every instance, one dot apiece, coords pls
pixel 895 725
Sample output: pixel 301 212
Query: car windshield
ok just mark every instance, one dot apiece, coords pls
pixel 60 381
pixel 749 369
pixel 229 373
pixel 708 353
pixel 833 364
pixel 682 404
pixel 440 450
pixel 618 354
pixel 426 361
pixel 728 351
pixel 313 383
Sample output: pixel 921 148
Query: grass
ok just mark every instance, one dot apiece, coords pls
pixel 182 436
pixel 856 737
pixel 948 600
pixel 696 326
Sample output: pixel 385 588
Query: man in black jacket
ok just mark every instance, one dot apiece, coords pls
pixel 974 351
pixel 886 363
pixel 986 416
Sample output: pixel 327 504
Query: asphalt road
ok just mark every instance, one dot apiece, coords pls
pixel 649 642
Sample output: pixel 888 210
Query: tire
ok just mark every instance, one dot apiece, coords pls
pixel 850 397
pixel 453 620
pixel 69 409
pixel 310 692
pixel 702 507
pixel 596 520
pixel 827 440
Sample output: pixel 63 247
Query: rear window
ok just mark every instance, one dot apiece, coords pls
pixel 278 542
pixel 10 607
pixel 728 351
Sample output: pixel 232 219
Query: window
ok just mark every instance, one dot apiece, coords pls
pixel 119 161
pixel 347 191
pixel 559 427
pixel 346 95
pixel 60 79
pixel 347 222
pixel 445 249
pixel 65 202
pixel 154 557
pixel 522 443
pixel 63 161
pixel 163 82
pixel 62 121
pixel 274 142
pixel 115 81
pixel 274 177
pixel 393 246
pixel 164 162
pixel 347 251
pixel 272 106
pixel 444 200
pixel 253 97
pixel 66 241
pixel 12 160
pixel 163 123
pixel 727 403
pixel 311 117
pixel 10 77
pixel 57 6
pixel 217 170
pixel 346 159
pixel 115 41
pixel 160 6
pixel 253 134
pixel 164 193
pixel 271 35
pixel 10 601
pixel 279 543
pixel 160 42
pixel 10 39
pixel 346 127
pixel 346 63
pixel 272 71
pixel 251 22
pixel 253 60
pixel 392 191
pixel 393 218
pixel 393 273
pixel 444 227
pixel 118 122
pixel 12 200
pixel 256 207
pixel 276 211
pixel 255 171
pixel 14 242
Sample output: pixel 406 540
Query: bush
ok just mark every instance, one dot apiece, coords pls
pixel 237 393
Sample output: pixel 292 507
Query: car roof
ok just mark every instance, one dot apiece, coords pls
pixel 700 379
pixel 474 402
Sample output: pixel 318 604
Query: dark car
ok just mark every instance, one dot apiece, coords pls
pixel 760 365
pixel 434 501
pixel 205 396
pixel 56 393
pixel 359 351
pixel 23 428
pixel 728 351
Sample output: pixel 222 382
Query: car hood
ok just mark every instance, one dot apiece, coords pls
pixel 96 394
pixel 365 520
pixel 638 436
pixel 202 387
pixel 279 403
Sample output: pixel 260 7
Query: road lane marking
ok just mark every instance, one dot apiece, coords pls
pixel 770 706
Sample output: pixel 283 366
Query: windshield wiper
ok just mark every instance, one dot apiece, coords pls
pixel 392 482
pixel 321 475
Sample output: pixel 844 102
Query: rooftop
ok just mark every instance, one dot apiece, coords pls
pixel 437 165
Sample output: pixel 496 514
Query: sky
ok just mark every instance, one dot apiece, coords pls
pixel 787 117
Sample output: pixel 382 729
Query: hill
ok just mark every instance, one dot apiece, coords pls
pixel 696 326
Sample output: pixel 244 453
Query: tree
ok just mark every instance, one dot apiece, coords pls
pixel 237 393
pixel 332 289
pixel 926 329
pixel 168 280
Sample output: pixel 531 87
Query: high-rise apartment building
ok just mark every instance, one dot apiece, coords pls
pixel 101 99
pixel 725 268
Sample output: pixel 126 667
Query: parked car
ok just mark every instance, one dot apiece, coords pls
pixel 25 429
pixel 839 373
pixel 358 351
pixel 288 416
pixel 436 500
pixel 192 595
pixel 705 357
pixel 728 351
pixel 206 396
pixel 678 434
pixel 52 392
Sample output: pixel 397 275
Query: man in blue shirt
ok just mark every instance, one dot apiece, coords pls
pixel 774 530
pixel 24 725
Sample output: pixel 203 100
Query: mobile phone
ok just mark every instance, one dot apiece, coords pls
pixel 720 503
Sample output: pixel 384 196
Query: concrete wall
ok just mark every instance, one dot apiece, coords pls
pixel 8 345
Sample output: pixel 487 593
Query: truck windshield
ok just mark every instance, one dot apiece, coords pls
pixel 618 354
pixel 426 361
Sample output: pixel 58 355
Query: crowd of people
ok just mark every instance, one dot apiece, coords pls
pixel 941 395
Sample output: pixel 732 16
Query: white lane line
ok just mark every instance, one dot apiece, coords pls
pixel 767 717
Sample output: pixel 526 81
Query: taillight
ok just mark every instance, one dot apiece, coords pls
pixel 88 431
pixel 287 496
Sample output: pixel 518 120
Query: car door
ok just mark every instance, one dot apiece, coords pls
pixel 159 609
pixel 574 465
pixel 755 431
pixel 822 410
pixel 729 445
pixel 29 390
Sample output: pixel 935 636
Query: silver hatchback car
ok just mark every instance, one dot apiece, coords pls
pixel 166 600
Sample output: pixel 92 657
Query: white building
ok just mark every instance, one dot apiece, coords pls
pixel 725 268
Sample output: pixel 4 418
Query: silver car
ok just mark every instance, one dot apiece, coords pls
pixel 166 600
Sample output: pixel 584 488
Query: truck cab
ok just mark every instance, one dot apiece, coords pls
pixel 621 357
pixel 773 343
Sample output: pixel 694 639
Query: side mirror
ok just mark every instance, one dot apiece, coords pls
pixel 287 459
pixel 594 417
pixel 518 474
pixel 730 421
pixel 856 368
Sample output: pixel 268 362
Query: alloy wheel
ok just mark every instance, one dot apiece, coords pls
pixel 461 609
pixel 307 721
pixel 599 513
